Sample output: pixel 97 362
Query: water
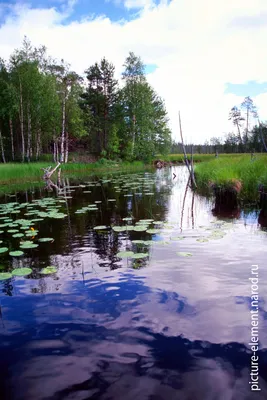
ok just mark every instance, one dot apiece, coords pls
pixel 162 327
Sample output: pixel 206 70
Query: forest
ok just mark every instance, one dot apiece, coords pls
pixel 48 109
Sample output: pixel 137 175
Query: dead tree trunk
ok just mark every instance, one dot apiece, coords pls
pixel 48 173
pixel 190 170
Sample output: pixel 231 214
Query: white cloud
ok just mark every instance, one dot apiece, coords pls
pixel 138 3
pixel 135 4
pixel 197 46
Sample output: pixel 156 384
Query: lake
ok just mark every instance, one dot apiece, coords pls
pixel 147 296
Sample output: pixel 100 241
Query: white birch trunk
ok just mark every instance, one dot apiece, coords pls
pixel 66 147
pixel 21 117
pixel 63 129
pixel 2 147
pixel 12 138
pixel 38 143
pixel 29 133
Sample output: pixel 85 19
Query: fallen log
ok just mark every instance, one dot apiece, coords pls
pixel 48 173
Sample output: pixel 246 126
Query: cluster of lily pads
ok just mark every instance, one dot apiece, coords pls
pixel 215 233
pixel 144 226
pixel 128 185
pixel 140 226
pixel 23 271
pixel 121 184
pixel 23 229
pixel 138 185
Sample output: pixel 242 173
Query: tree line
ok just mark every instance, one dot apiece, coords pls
pixel 247 139
pixel 248 136
pixel 47 108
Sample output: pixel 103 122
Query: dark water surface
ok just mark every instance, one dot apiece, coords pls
pixel 104 327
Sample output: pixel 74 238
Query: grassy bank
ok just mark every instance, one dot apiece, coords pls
pixel 179 158
pixel 223 170
pixel 26 173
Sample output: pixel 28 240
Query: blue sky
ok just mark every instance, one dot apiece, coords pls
pixel 251 88
pixel 80 8
pixel 115 10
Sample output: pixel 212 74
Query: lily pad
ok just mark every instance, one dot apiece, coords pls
pixel 29 246
pixel 125 254
pixel 21 271
pixel 18 235
pixel 31 234
pixel 32 231
pixel 100 227
pixel 140 228
pixel 184 254
pixel 48 270
pixel 57 216
pixel 139 255
pixel 43 240
pixel 17 253
pixel 129 228
pixel 152 231
pixel 168 226
pixel 3 250
pixel 5 275
pixel 216 237
pixel 119 228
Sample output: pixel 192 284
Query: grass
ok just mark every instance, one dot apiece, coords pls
pixel 18 173
pixel 223 170
pixel 196 157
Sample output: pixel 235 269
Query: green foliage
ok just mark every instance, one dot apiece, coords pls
pixel 113 147
pixel 145 122
pixel 47 108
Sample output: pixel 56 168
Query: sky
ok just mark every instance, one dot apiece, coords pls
pixel 202 57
